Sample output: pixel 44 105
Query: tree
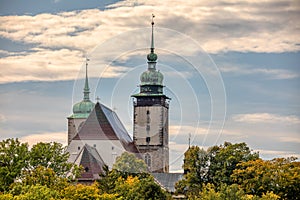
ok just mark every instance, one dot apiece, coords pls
pixel 280 175
pixel 129 180
pixel 212 166
pixel 13 159
pixel 37 192
pixel 81 192
pixel 45 177
pixel 195 167
pixel 17 162
pixel 50 155
pixel 223 160
pixel 129 163
pixel 140 189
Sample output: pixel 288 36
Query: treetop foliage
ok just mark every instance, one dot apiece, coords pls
pixel 233 171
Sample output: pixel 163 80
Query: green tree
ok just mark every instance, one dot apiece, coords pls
pixel 223 160
pixel 129 180
pixel 280 175
pixel 37 192
pixel 50 155
pixel 45 177
pixel 107 181
pixel 129 163
pixel 81 192
pixel 13 159
pixel 195 167
pixel 139 189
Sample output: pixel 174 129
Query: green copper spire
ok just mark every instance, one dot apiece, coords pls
pixel 83 108
pixel 152 57
pixel 86 90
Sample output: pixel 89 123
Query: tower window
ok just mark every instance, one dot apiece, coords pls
pixel 95 145
pixel 148 112
pixel 148 139
pixel 148 160
pixel 86 169
pixel 78 148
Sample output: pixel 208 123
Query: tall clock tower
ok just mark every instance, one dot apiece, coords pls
pixel 151 122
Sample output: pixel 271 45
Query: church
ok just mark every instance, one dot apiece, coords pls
pixel 96 136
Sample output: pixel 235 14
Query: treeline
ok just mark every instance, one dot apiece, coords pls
pixel 233 171
pixel 43 173
pixel 228 171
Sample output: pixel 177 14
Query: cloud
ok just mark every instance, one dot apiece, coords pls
pixel 270 73
pixel 185 129
pixel 2 118
pixel 270 154
pixel 32 139
pixel 266 118
pixel 58 41
pixel 290 139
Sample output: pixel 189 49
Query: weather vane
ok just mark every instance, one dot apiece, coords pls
pixel 152 19
pixel 86 61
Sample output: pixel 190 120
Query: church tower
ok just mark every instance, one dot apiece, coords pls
pixel 151 110
pixel 81 110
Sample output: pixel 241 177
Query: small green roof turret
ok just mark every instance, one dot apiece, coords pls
pixel 83 108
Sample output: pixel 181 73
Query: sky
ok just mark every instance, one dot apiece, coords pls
pixel 230 67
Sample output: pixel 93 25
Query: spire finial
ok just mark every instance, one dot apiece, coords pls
pixel 152 57
pixel 152 36
pixel 86 90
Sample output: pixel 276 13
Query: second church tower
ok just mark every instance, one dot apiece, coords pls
pixel 151 120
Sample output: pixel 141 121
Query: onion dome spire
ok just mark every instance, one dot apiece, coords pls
pixel 152 57
pixel 86 90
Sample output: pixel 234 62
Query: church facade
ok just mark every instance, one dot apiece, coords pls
pixel 96 136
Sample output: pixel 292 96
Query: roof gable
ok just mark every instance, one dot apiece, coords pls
pixel 96 127
pixel 91 161
pixel 104 124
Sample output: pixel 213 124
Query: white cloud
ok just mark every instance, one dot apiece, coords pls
pixel 186 129
pixel 32 139
pixel 270 73
pixel 216 26
pixel 266 118
pixel 269 154
pixel 290 139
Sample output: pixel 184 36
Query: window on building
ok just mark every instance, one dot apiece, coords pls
pixel 95 145
pixel 78 148
pixel 148 160
pixel 86 169
pixel 147 139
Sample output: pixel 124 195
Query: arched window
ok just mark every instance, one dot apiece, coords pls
pixel 148 160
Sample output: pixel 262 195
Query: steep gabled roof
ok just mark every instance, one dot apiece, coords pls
pixel 104 124
pixel 96 127
pixel 91 161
